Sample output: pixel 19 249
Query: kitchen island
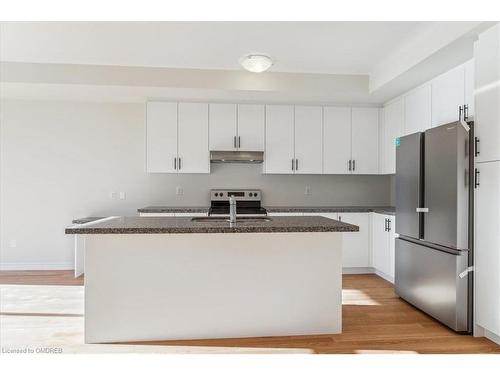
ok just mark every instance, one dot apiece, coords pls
pixel 160 278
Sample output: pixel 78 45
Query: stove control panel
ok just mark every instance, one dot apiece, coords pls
pixel 239 194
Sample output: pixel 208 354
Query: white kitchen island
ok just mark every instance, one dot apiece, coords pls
pixel 171 278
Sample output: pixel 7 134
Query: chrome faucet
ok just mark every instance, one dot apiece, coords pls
pixel 232 209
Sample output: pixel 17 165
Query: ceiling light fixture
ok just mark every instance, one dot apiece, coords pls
pixel 256 63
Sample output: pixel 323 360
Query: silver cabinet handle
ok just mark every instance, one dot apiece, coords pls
pixel 293 166
pixel 179 163
pixel 354 165
pixel 175 163
pixel 388 225
pixel 340 218
pixel 239 141
pixel 234 142
pixel 350 169
pixel 296 164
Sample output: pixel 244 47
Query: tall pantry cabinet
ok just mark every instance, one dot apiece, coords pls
pixel 487 181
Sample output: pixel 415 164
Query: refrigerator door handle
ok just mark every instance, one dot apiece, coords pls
pixel 422 209
pixel 465 272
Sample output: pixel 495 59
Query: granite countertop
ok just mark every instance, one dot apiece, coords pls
pixel 137 225
pixel 378 209
pixel 387 210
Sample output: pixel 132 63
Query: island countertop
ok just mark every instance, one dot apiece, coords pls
pixel 138 225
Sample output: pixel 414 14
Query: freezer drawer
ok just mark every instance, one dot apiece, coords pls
pixel 429 279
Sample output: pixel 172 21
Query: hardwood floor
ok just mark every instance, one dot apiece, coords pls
pixel 375 320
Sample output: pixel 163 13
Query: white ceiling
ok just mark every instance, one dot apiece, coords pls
pixel 302 47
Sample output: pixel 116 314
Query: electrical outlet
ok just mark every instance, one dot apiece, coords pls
pixel 179 191
pixel 307 191
pixel 122 195
pixel 112 195
pixel 12 243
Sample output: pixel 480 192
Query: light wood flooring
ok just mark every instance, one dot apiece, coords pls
pixel 375 320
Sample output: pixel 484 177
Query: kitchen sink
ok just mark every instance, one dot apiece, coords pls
pixel 215 219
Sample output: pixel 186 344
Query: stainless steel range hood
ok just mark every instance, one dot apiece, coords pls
pixel 236 157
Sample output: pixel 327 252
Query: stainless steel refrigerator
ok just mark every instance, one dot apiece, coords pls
pixel 433 256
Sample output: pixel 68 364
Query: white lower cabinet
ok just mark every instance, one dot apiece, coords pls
pixel 487 247
pixel 285 214
pixel 356 253
pixel 383 244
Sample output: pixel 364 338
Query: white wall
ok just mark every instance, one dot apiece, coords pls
pixel 60 161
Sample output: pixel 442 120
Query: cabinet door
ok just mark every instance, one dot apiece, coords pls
pixel 417 110
pixel 308 140
pixel 279 139
pixel 161 137
pixel 356 245
pixel 380 244
pixel 336 140
pixel 447 96
pixel 251 127
pixel 222 125
pixel 392 245
pixel 285 214
pixel 469 87
pixel 364 140
pixel 487 247
pixel 193 138
pixel 487 96
pixel 393 128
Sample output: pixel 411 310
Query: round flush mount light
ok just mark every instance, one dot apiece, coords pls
pixel 256 63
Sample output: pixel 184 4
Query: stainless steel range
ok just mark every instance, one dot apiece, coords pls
pixel 248 202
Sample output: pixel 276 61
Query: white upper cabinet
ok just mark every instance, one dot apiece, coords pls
pixel 308 140
pixel 193 154
pixel 447 96
pixel 487 95
pixel 279 143
pixel 161 137
pixel 251 124
pixel 364 140
pixel 392 128
pixel 336 140
pixel 417 110
pixel 469 87
pixel 222 125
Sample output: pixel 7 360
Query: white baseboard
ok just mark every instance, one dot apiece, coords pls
pixel 357 270
pixel 36 266
pixel 385 276
pixel 491 336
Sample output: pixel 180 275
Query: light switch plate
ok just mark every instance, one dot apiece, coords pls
pixel 112 195
pixel 122 195
pixel 179 191
pixel 307 190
